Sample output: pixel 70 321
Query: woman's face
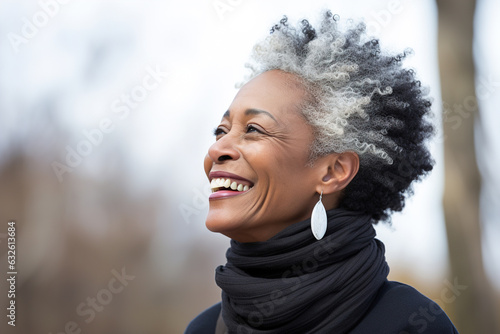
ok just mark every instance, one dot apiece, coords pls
pixel 258 166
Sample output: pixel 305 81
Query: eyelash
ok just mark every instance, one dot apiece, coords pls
pixel 250 126
pixel 219 131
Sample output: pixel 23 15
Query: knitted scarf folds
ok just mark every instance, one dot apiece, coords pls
pixel 293 283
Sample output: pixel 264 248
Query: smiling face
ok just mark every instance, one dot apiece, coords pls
pixel 258 166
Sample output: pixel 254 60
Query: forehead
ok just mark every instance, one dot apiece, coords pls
pixel 274 91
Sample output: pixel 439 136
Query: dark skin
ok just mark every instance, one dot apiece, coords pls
pixel 264 139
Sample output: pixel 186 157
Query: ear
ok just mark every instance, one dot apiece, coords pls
pixel 336 171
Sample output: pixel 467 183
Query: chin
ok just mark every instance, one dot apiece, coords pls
pixel 218 222
pixel 212 226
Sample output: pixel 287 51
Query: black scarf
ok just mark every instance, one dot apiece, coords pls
pixel 293 283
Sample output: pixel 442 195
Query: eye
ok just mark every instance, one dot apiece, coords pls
pixel 219 131
pixel 251 128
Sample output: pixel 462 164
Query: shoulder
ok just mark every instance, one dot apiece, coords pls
pixel 205 322
pixel 401 309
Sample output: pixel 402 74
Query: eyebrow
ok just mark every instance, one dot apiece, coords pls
pixel 253 111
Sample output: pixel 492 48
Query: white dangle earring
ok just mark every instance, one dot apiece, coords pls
pixel 318 219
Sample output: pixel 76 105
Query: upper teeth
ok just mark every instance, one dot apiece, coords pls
pixel 227 183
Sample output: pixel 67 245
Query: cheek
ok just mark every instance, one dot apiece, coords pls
pixel 207 164
pixel 291 159
pixel 284 172
pixel 291 172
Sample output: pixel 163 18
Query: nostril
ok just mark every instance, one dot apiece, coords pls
pixel 224 157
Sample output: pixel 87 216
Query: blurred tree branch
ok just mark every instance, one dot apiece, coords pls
pixel 474 309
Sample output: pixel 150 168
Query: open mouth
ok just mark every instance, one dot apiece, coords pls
pixel 218 184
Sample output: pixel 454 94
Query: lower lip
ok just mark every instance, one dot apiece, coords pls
pixel 225 194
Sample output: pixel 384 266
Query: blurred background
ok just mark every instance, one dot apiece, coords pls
pixel 106 114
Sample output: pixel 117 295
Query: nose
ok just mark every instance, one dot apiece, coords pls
pixel 224 149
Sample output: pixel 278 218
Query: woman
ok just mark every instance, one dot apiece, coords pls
pixel 323 141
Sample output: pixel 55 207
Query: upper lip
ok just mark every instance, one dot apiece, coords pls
pixel 227 175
